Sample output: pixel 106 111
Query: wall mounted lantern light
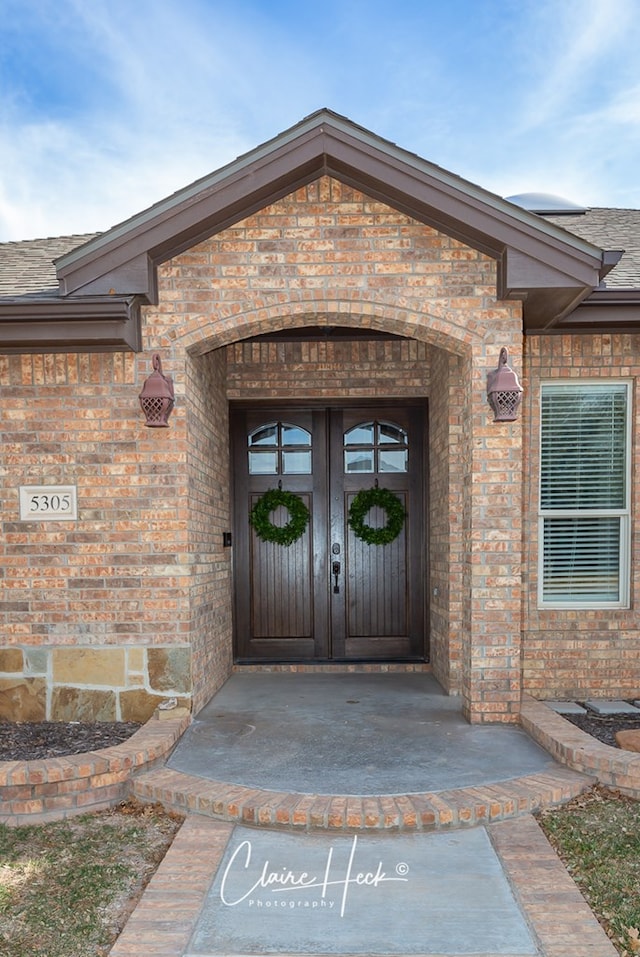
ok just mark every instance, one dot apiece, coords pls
pixel 504 392
pixel 157 397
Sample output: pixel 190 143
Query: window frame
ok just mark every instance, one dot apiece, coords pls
pixel 623 514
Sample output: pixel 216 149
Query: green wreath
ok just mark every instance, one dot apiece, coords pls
pixel 360 508
pixel 260 517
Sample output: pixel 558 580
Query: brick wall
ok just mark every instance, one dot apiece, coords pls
pixel 584 652
pixel 116 577
pixel 328 255
pixel 446 534
pixel 210 626
pixel 492 565
pixel 316 370
pixel 144 566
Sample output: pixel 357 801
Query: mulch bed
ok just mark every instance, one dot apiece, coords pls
pixel 604 728
pixel 31 741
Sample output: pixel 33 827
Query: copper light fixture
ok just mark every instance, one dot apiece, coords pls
pixel 504 392
pixel 157 397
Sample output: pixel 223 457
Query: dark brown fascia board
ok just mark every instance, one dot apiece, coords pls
pixel 529 250
pixel 605 311
pixel 70 325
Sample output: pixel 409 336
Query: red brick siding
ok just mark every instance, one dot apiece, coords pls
pixel 586 652
pixel 144 564
pixel 328 255
pixel 446 510
pixel 210 629
pixel 107 578
pixel 286 370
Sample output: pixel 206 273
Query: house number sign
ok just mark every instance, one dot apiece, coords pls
pixel 44 503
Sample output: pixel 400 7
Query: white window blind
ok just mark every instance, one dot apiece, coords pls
pixel 584 493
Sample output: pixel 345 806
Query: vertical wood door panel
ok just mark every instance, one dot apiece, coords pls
pixel 282 583
pixel 377 583
pixel 289 603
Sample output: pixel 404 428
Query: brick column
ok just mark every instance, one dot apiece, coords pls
pixel 491 670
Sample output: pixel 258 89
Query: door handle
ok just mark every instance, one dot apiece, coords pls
pixel 335 569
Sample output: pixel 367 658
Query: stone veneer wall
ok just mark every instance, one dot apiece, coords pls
pixel 91 683
pixel 583 652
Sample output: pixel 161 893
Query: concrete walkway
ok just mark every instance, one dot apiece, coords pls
pixel 357 814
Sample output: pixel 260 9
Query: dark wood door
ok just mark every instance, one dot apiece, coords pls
pixel 329 595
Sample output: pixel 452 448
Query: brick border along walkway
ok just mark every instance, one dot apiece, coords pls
pixel 32 792
pixel 166 916
pixel 464 807
pixel 578 750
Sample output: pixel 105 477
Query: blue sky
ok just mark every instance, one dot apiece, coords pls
pixel 107 106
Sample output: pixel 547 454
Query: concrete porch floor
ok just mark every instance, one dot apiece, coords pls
pixel 352 751
pixel 350 734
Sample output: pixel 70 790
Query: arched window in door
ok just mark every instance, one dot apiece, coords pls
pixel 376 447
pixel 278 448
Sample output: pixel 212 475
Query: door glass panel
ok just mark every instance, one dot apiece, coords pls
pixel 296 463
pixel 359 460
pixel 383 448
pixel 393 460
pixel 263 463
pixel 293 435
pixel 360 434
pixel 279 450
pixel 391 433
pixel 266 435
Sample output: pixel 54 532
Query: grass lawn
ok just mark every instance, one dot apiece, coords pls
pixel 597 836
pixel 67 888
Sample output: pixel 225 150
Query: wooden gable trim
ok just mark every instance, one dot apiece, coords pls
pixel 546 267
pixel 608 311
pixel 76 325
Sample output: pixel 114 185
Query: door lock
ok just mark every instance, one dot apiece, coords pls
pixel 336 572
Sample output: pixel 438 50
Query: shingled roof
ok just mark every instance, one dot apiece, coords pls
pixel 609 229
pixel 28 268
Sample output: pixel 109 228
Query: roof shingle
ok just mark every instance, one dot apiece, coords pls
pixel 27 268
pixel 609 229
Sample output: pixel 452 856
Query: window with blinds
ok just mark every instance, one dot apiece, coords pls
pixel 584 494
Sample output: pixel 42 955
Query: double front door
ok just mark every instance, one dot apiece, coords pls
pixel 331 593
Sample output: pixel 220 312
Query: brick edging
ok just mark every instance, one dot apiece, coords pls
pixel 578 750
pixel 32 792
pixel 460 807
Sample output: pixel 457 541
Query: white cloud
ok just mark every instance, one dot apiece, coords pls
pixel 575 49
pixel 144 98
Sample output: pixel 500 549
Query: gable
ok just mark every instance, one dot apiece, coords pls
pixel 548 268
pixel 533 257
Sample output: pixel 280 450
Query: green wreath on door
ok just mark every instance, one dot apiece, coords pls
pixel 361 506
pixel 260 517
